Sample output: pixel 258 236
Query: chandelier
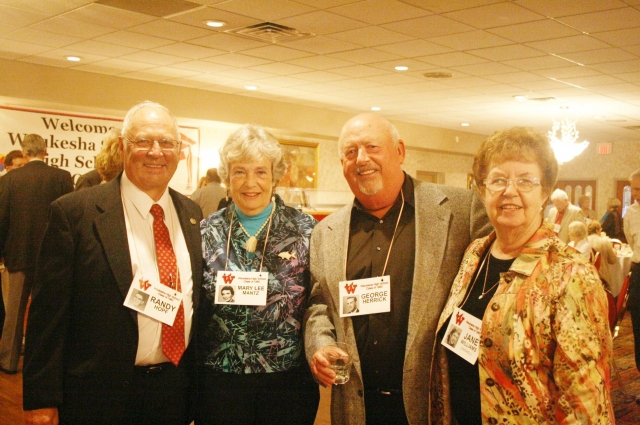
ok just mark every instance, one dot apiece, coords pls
pixel 565 146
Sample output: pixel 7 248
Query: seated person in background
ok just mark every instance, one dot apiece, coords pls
pixel 578 238
pixel 612 220
pixel 603 246
pixel 584 202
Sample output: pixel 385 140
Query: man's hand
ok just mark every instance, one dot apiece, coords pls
pixel 321 368
pixel 46 416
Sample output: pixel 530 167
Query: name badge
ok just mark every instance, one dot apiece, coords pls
pixel 556 228
pixel 365 296
pixel 241 288
pixel 463 335
pixel 155 300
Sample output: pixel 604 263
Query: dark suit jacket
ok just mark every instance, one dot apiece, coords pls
pixel 25 196
pixel 81 341
pixel 87 180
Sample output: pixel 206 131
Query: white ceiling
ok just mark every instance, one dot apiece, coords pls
pixel 583 53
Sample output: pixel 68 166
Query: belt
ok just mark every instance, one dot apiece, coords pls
pixel 383 391
pixel 153 368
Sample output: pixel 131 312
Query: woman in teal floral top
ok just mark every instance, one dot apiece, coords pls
pixel 253 368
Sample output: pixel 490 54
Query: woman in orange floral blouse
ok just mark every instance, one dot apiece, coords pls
pixel 544 346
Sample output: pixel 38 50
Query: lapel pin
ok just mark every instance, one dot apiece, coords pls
pixel 193 221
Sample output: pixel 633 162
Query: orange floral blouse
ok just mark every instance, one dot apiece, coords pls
pixel 546 348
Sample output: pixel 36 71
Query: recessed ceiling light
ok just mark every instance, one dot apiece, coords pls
pixel 465 124
pixel 74 58
pixel 215 24
pixel 520 98
pixel 375 108
pixel 402 68
pixel 251 87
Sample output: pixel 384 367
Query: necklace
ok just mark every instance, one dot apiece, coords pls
pixel 252 242
pixel 486 274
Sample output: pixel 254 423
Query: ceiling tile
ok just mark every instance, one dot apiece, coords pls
pixel 510 52
pixel 555 8
pixel 264 10
pixel 48 7
pixel 494 15
pixel 364 56
pixel 470 40
pixel 629 76
pixel 452 59
pixel 11 16
pixel 378 12
pixel 620 38
pixel 355 84
pixel 542 62
pixel 490 68
pixel 325 4
pixel 595 80
pixel 99 69
pixel 146 76
pixel 607 20
pixel 534 31
pixel 100 48
pixel 34 36
pixel 370 36
pixel 428 26
pixel 41 60
pixel 244 74
pixel 281 81
pixel 153 58
pixel 576 43
pixel 320 76
pixel 321 45
pixel 198 17
pixel 228 42
pixel 439 6
pixel 157 8
pixel 123 65
pixel 614 67
pixel 320 62
pixel 22 48
pixel 72 28
pixel 321 22
pixel 412 64
pixel 190 51
pixel 514 77
pixel 394 79
pixel 237 60
pixel 413 48
pixel 358 71
pixel 107 16
pixel 276 53
pixel 567 72
pixel 600 56
pixel 136 41
pixel 202 66
pixel 278 68
pixel 171 30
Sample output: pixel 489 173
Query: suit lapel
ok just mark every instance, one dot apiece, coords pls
pixel 191 231
pixel 112 232
pixel 432 224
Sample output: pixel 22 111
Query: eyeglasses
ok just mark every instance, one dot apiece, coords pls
pixel 147 144
pixel 500 184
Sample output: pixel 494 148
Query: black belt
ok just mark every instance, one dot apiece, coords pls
pixel 383 391
pixel 153 368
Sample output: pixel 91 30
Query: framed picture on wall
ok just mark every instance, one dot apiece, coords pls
pixel 302 164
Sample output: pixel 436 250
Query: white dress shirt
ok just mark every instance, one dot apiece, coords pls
pixel 139 221
pixel 631 223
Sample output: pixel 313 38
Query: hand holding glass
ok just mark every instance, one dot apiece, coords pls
pixel 339 358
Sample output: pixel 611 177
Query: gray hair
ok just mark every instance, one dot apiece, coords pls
pixel 578 229
pixel 634 174
pixel 33 145
pixel 128 119
pixel 251 143
pixel 559 195
pixel 394 135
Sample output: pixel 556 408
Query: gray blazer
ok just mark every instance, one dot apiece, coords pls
pixel 447 220
pixel 571 214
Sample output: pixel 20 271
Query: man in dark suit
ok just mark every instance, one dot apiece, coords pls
pixel 89 358
pixel 25 195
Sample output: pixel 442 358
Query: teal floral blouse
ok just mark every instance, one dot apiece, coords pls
pixel 256 339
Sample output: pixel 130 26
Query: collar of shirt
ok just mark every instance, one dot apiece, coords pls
pixel 140 200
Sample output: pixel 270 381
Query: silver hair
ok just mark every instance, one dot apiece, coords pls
pixel 634 174
pixel 559 195
pixel 251 143
pixel 578 229
pixel 33 145
pixel 128 119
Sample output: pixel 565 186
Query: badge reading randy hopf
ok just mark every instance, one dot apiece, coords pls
pixel 157 301
pixel 463 335
pixel 241 288
pixel 365 296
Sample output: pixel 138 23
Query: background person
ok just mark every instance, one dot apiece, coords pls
pixel 210 195
pixel 603 246
pixel 14 159
pixel 253 367
pixel 25 195
pixel 578 238
pixel 108 162
pixel 539 302
pixel 435 224
pixel 584 202
pixel 612 221
pixel 89 359
pixel 562 214
pixel 632 232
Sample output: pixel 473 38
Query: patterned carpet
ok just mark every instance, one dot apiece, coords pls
pixel 627 411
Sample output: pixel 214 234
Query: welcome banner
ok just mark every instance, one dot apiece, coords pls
pixel 73 141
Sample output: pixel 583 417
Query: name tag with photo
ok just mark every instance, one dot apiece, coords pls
pixel 155 300
pixel 365 296
pixel 241 288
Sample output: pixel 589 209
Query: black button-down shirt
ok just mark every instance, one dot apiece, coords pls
pixel 381 337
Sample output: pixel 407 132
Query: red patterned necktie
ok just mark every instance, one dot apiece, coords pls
pixel 173 345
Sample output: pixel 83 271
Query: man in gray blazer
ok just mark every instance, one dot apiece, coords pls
pixel 563 214
pixel 414 232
